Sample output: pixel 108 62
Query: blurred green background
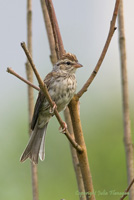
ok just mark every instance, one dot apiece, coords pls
pixel 84 28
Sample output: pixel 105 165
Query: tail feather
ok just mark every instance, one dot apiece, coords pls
pixel 42 148
pixel 35 145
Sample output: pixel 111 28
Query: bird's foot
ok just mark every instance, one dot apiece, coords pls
pixel 51 110
pixel 63 130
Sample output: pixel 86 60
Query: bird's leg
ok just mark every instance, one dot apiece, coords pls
pixel 63 130
pixel 51 110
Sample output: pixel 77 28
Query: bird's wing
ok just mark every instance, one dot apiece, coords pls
pixel 41 98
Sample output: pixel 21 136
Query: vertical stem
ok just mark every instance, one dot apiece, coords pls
pixel 49 32
pixel 56 32
pixel 29 70
pixel 29 73
pixel 126 118
pixel 75 160
pixel 83 158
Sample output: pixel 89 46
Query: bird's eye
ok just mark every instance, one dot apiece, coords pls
pixel 68 63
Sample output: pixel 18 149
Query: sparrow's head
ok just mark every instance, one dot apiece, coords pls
pixel 67 64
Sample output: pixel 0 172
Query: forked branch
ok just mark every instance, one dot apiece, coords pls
pixel 104 51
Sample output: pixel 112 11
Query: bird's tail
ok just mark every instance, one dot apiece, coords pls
pixel 36 145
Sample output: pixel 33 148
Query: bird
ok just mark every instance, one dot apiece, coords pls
pixel 61 84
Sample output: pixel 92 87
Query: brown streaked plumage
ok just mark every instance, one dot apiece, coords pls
pixel 61 84
pixel 69 56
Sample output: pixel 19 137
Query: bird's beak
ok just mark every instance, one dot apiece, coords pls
pixel 78 65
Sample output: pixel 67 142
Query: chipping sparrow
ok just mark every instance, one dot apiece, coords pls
pixel 61 84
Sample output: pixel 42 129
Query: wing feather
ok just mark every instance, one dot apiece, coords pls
pixel 41 98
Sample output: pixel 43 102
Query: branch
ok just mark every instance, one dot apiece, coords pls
pixel 43 87
pixel 75 160
pixel 53 55
pixel 11 71
pixel 104 51
pixel 29 74
pixel 83 158
pixel 125 96
pixel 127 190
pixel 29 71
pixel 56 32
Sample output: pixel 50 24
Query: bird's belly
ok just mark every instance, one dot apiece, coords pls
pixel 62 93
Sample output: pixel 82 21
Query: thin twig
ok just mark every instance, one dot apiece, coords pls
pixel 11 71
pixel 127 190
pixel 126 115
pixel 104 51
pixel 46 93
